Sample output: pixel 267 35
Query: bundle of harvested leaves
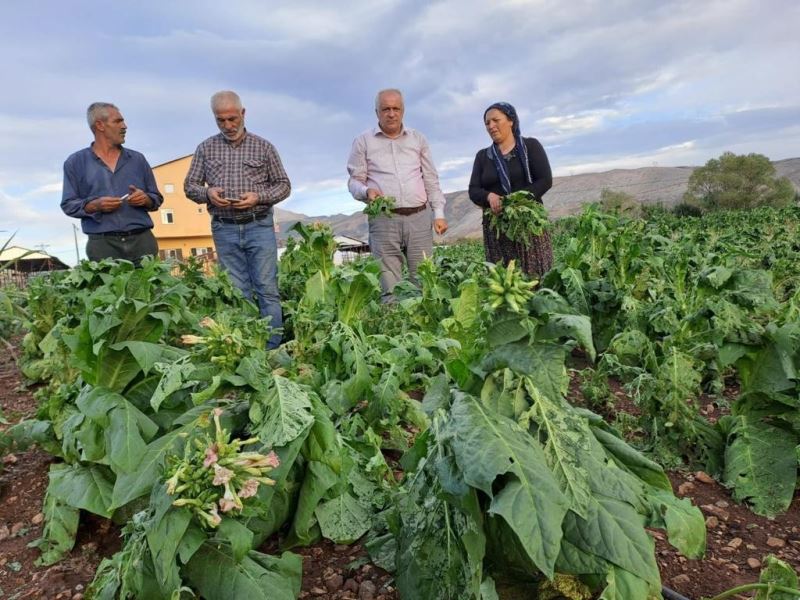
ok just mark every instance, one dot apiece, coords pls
pixel 521 219
pixel 380 206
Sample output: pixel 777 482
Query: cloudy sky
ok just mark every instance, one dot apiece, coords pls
pixel 612 84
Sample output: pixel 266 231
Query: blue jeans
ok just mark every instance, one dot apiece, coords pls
pixel 249 253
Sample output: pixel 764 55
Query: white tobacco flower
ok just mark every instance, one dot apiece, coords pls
pixel 207 322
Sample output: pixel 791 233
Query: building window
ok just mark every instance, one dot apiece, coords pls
pixel 202 251
pixel 171 254
pixel 169 188
pixel 167 216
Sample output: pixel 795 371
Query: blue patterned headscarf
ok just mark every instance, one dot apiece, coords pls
pixel 521 149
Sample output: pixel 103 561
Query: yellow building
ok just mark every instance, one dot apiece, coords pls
pixel 182 227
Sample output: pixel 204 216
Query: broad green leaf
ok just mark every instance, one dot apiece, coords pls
pixel 79 486
pixel 566 445
pixel 343 519
pixel 629 458
pixel 192 539
pixel 115 369
pixel 543 362
pixel 174 377
pixel 685 524
pixel 239 536
pixel 614 531
pixel 578 327
pixel 214 573
pixel 97 402
pixel 506 330
pixel 487 446
pixel 623 585
pixel 138 482
pixel 467 306
pixel 58 536
pixel 282 413
pixel 766 371
pixel 164 535
pixel 319 478
pixel 124 443
pixel 760 465
pixel 575 290
pixel 437 396
pixel 147 354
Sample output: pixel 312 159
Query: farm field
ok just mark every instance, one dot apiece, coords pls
pixel 440 449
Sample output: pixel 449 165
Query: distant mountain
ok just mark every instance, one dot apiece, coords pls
pixel 649 185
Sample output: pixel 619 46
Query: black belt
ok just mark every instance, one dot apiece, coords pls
pixel 122 233
pixel 410 210
pixel 251 218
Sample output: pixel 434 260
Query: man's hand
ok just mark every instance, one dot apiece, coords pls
pixel 215 197
pixel 103 204
pixel 245 201
pixel 138 198
pixel 440 226
pixel 495 203
pixel 372 193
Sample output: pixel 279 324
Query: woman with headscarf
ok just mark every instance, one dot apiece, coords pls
pixel 510 164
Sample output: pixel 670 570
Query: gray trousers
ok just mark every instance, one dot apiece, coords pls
pixel 393 239
pixel 130 247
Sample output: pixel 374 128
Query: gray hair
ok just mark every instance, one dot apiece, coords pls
pixel 98 111
pixel 225 97
pixel 387 91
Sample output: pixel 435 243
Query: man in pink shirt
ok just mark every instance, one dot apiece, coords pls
pixel 393 160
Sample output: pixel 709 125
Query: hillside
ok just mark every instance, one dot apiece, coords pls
pixel 649 185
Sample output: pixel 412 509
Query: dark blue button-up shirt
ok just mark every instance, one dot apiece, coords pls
pixel 87 177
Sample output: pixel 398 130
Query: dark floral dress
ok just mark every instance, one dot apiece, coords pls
pixel 536 257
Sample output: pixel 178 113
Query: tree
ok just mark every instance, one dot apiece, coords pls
pixel 738 181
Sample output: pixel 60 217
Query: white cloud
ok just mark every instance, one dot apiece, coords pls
pixel 602 85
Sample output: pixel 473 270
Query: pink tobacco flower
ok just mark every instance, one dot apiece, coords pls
pixel 226 505
pixel 222 475
pixel 211 456
pixel 207 322
pixel 249 489
pixel 190 340
pixel 230 500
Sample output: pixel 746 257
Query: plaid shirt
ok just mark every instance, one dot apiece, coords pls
pixel 252 165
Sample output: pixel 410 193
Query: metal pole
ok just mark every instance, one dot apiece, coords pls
pixel 75 234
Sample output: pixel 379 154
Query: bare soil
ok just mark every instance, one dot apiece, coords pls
pixel 737 539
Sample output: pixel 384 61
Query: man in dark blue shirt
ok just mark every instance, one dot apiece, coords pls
pixel 111 189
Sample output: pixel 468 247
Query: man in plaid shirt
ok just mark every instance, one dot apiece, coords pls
pixel 240 177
